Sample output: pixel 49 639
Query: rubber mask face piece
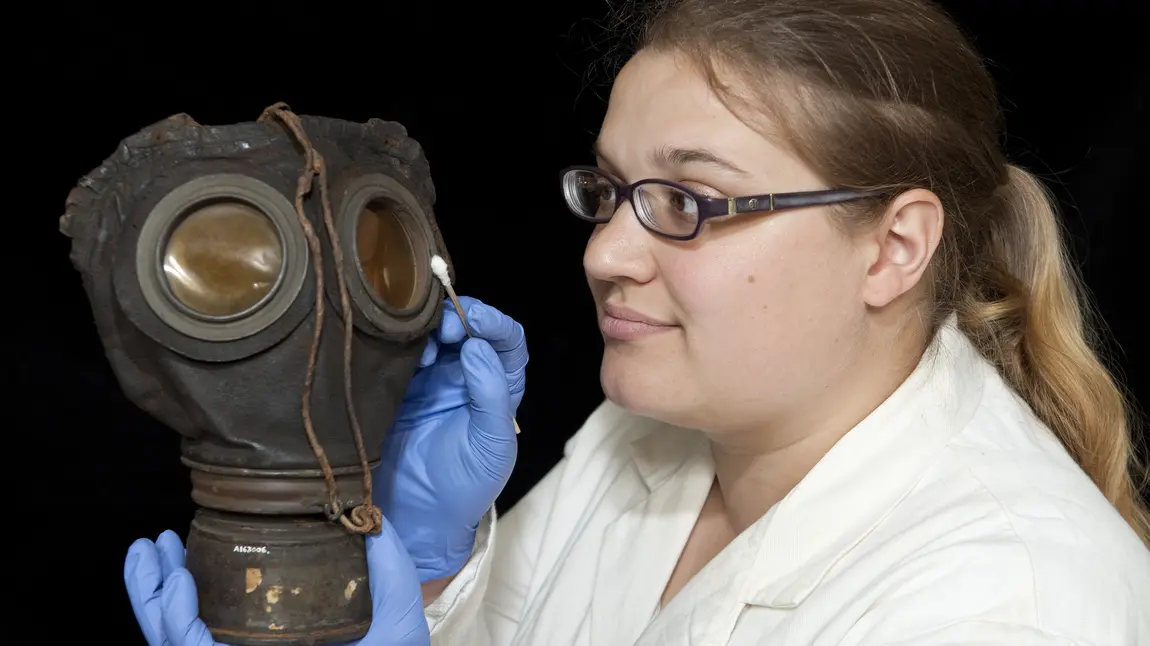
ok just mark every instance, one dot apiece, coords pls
pixel 203 288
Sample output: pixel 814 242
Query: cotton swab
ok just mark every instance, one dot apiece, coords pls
pixel 439 268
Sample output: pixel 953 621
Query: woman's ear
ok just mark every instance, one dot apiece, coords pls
pixel 902 245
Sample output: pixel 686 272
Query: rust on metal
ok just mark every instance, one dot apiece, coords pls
pixel 265 574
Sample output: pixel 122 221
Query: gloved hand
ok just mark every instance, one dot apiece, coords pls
pixel 163 595
pixel 452 447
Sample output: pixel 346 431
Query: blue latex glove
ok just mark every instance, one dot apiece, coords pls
pixel 453 444
pixel 164 600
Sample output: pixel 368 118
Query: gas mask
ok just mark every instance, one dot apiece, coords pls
pixel 264 289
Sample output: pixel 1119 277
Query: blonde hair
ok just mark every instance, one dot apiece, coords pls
pixel 888 95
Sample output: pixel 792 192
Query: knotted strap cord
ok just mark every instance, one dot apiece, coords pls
pixel 365 518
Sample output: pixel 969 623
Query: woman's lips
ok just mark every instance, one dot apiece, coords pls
pixel 624 324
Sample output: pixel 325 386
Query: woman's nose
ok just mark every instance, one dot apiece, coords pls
pixel 620 249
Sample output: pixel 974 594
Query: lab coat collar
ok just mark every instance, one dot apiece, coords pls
pixel 865 474
pixel 676 468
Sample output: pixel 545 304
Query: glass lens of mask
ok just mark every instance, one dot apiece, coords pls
pixel 386 254
pixel 223 259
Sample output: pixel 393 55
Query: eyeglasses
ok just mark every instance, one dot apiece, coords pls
pixel 672 210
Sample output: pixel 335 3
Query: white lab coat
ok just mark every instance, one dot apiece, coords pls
pixel 950 515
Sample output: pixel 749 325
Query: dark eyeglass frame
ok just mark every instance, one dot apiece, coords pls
pixel 713 207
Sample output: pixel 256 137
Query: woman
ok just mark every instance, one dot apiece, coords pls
pixel 851 397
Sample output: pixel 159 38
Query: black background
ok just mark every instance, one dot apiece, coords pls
pixel 500 99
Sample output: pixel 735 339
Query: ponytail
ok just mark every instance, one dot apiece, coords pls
pixel 1026 310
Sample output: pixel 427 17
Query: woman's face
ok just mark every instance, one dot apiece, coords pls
pixel 762 313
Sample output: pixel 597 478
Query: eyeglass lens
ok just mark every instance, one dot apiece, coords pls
pixel 660 207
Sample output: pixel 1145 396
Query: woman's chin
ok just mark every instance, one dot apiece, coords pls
pixel 644 392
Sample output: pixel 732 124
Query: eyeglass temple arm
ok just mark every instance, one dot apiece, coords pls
pixel 773 201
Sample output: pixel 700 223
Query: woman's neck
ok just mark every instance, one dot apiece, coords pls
pixel 754 471
pixel 750 483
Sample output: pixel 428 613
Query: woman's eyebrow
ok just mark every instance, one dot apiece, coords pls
pixel 676 156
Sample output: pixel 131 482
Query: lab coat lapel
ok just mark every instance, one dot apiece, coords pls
pixel 642 546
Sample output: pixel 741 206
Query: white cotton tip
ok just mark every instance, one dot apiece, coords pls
pixel 439 268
